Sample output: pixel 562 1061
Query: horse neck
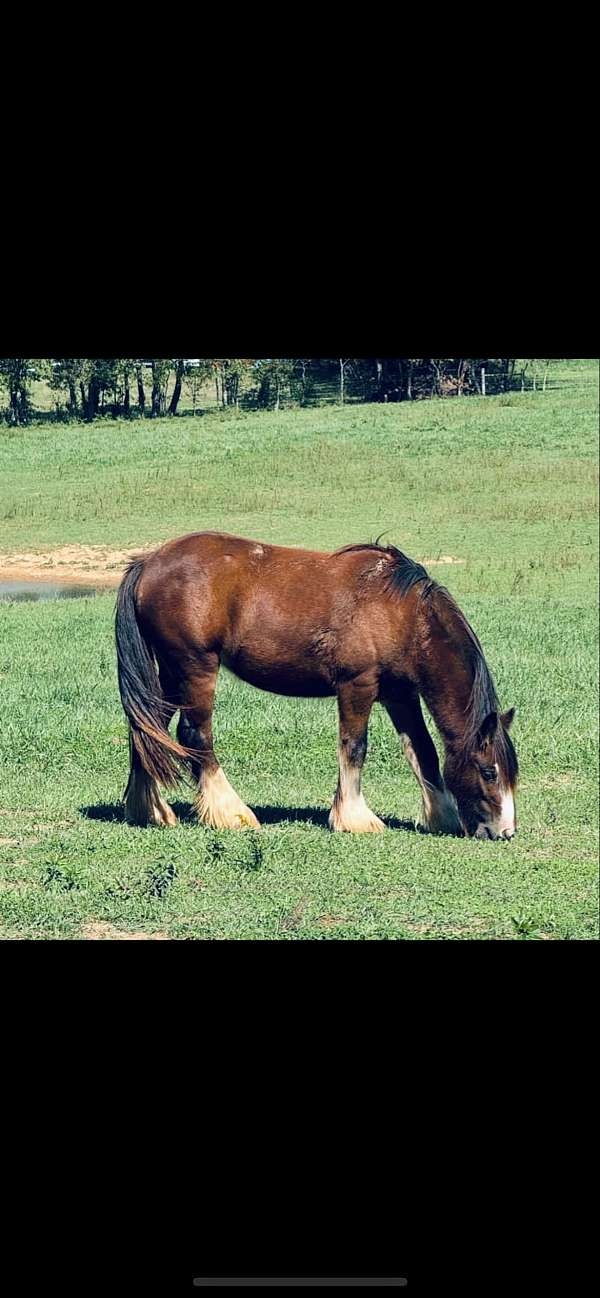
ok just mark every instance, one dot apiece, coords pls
pixel 445 671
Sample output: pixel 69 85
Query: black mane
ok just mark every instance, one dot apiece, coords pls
pixel 483 698
pixel 403 573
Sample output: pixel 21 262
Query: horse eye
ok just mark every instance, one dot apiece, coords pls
pixel 489 773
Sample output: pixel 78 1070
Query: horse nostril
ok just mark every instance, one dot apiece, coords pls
pixel 509 833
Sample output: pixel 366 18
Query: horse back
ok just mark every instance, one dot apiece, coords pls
pixel 284 619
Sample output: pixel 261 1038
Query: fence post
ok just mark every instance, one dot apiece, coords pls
pixel 482 381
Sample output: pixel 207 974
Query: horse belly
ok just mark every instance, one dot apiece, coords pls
pixel 279 672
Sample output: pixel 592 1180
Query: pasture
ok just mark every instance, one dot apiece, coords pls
pixel 497 496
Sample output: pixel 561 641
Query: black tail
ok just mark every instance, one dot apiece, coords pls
pixel 141 694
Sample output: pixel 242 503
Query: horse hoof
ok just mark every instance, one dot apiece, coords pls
pixel 162 816
pixel 246 820
pixel 372 826
pixel 369 824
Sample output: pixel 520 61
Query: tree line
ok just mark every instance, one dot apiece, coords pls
pixel 122 388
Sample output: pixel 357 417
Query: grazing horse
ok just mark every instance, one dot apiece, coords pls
pixel 364 623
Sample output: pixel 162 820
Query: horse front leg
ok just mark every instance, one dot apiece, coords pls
pixel 350 811
pixel 439 813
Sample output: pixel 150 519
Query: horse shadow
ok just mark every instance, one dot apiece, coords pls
pixel 114 813
pixel 316 816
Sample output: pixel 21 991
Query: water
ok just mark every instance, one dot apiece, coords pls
pixel 34 590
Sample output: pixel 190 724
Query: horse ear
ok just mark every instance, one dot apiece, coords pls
pixel 507 718
pixel 488 729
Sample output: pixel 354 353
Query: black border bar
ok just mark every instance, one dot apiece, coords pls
pixel 306 1282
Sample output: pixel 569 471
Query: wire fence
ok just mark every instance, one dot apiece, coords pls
pixel 361 383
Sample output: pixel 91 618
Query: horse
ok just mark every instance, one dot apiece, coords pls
pixel 364 623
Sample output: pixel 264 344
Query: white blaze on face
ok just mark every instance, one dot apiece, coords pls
pixel 506 819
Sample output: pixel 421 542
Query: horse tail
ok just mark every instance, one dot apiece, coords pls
pixel 142 697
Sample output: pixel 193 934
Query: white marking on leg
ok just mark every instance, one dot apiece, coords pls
pixel 439 812
pixel 218 804
pixel 350 811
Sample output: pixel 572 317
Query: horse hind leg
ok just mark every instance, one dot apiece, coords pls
pixel 143 802
pixel 219 806
pixel 217 803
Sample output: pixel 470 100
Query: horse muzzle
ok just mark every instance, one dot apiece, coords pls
pixel 486 831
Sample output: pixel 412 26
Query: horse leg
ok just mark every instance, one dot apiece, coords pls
pixel 439 814
pixel 217 803
pixel 350 811
pixel 143 803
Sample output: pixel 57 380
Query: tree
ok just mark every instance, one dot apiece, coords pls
pixel 161 370
pixel 16 376
pixel 180 370
pixel 66 376
pixel 411 364
pixel 126 368
pixel 101 378
pixel 302 379
pixel 508 370
pixel 139 373
pixel 94 378
pixel 438 374
pixel 197 374
pixel 116 376
pixel 228 376
pixel 274 377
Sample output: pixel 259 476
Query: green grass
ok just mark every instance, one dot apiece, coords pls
pixel 507 484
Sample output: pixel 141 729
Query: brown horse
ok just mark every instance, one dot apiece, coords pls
pixel 365 623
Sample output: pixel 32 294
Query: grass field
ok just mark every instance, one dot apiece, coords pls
pixel 504 486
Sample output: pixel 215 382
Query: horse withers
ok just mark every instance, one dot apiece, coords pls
pixel 364 623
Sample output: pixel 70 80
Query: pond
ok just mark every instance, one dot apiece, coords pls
pixel 33 590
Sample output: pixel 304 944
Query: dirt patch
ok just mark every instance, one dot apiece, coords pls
pixel 101 931
pixel 445 930
pixel 442 558
pixel 76 564
pixel 293 919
